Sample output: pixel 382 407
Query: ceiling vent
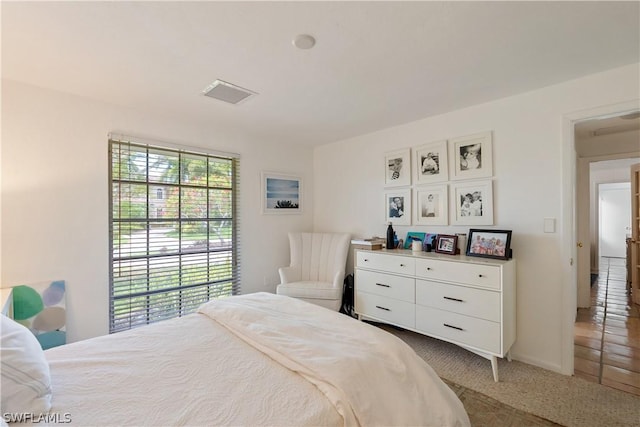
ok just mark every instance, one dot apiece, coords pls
pixel 228 92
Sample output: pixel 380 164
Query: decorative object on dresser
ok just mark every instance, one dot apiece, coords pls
pixel 447 244
pixel 431 163
pixel 472 203
pixel 397 167
pixel 489 243
pixel 471 156
pixel 281 194
pixel 467 301
pixel 413 235
pixel 317 269
pixel 397 205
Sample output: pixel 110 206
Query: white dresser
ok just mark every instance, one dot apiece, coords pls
pixel 468 301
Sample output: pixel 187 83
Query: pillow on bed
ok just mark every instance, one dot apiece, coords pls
pixel 26 381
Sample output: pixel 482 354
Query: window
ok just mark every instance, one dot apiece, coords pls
pixel 172 253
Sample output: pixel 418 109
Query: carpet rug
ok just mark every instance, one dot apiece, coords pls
pixel 565 400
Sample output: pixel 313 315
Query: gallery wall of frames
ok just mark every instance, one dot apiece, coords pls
pixel 447 182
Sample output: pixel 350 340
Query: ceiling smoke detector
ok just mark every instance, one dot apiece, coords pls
pixel 304 41
pixel 227 92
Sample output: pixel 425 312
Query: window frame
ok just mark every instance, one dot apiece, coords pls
pixel 227 256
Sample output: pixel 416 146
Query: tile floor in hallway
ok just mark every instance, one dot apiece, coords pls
pixel 607 335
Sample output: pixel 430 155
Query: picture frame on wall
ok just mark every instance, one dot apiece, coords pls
pixel 281 193
pixel 472 202
pixel 431 163
pixel 432 205
pixel 397 166
pixel 447 244
pixel 397 207
pixel 471 156
pixel 494 244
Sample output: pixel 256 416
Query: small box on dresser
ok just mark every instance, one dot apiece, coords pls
pixel 464 300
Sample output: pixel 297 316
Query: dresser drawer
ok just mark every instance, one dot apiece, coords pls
pixel 479 303
pixel 487 276
pixel 386 285
pixel 393 311
pixel 387 263
pixel 479 334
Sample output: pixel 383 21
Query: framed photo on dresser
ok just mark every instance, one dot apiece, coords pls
pixel 489 243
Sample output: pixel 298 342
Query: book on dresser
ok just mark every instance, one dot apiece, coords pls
pixel 467 301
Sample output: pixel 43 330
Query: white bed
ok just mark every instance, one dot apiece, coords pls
pixel 257 359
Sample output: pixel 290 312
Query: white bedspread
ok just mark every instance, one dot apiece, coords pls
pixel 182 372
pixel 311 367
pixel 371 376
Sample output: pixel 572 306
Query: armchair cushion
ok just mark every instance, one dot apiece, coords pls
pixel 317 290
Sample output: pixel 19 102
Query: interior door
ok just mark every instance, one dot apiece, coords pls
pixel 635 233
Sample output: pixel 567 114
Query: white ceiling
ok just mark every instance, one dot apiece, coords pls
pixel 608 126
pixel 375 64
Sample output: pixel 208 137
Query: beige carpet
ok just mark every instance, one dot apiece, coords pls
pixel 566 400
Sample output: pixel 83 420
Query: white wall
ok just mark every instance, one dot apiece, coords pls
pixel 55 195
pixel 528 172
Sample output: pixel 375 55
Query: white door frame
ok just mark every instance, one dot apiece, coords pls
pixel 568 223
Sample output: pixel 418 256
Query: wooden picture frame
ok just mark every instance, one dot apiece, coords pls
pixel 447 244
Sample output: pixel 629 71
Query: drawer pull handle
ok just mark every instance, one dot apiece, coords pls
pixel 453 299
pixel 382 308
pixel 383 285
pixel 401 265
pixel 366 260
pixel 453 327
pixel 480 275
pixel 428 268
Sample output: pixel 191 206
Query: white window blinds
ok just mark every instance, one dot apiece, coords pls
pixel 173 232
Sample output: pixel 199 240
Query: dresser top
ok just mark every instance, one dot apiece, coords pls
pixel 439 256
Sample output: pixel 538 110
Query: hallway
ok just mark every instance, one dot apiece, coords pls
pixel 607 335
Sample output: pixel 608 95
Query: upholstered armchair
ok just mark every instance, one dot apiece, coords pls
pixel 317 268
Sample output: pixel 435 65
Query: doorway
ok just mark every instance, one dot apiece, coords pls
pixel 579 157
pixel 615 218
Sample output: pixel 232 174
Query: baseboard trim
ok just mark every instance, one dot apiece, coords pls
pixel 539 363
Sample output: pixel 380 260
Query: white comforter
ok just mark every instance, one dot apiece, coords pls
pixel 370 376
pixel 310 366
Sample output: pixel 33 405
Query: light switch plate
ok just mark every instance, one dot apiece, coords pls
pixel 549 225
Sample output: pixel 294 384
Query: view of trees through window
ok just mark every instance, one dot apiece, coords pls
pixel 172 232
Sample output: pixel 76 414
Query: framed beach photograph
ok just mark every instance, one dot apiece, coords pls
pixel 471 156
pixel 281 194
pixel 489 243
pixel 472 203
pixel 397 167
pixel 446 244
pixel 397 206
pixel 431 163
pixel 432 207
